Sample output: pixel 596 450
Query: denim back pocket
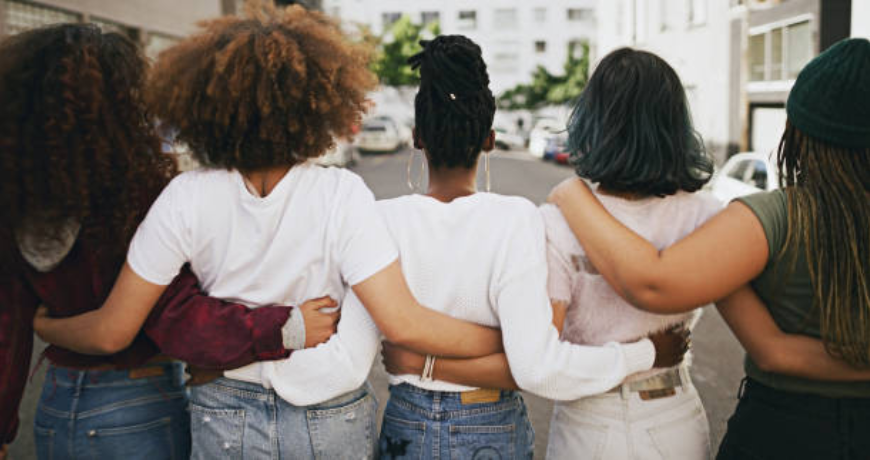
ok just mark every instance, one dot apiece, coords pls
pixel 44 440
pixel 150 440
pixel 344 432
pixel 482 442
pixel 401 439
pixel 216 433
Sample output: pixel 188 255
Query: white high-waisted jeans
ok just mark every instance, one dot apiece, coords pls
pixel 621 426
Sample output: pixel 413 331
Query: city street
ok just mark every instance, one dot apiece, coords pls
pixel 717 367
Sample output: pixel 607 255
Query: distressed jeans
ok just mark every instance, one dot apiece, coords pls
pixel 108 415
pixel 231 419
pixel 423 424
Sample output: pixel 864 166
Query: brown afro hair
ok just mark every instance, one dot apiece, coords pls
pixel 270 89
pixel 76 143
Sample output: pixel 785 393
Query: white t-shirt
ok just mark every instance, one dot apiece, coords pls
pixel 482 258
pixel 315 234
pixel 596 313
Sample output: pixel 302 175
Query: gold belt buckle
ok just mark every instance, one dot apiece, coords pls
pixel 647 395
pixel 480 396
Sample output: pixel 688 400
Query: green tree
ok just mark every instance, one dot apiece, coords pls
pixel 546 88
pixel 399 43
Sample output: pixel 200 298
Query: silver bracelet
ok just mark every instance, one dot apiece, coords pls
pixel 428 369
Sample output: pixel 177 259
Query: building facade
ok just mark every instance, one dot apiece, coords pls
pixel 516 36
pixel 155 24
pixel 738 59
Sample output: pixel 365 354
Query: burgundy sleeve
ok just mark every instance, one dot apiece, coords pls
pixel 210 333
pixel 17 307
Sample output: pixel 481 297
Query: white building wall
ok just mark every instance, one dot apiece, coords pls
pixel 509 49
pixel 697 48
pixel 861 18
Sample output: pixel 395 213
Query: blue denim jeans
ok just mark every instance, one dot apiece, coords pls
pixel 231 419
pixel 423 424
pixel 107 414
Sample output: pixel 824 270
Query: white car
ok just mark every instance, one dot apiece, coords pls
pixel 744 174
pixel 343 154
pixel 381 134
pixel 544 129
pixel 508 141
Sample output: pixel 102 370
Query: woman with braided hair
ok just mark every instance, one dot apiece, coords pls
pixel 805 249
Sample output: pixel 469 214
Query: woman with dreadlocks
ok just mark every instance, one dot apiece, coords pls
pixel 481 257
pixel 805 249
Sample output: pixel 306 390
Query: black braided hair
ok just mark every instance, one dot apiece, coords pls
pixel 454 106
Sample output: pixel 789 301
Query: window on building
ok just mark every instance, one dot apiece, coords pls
pixel 505 17
pixel 155 43
pixel 388 19
pixel 580 14
pixel 506 56
pixel 672 14
pixel 540 46
pixel 540 15
pixel 428 17
pixel 780 53
pixel 799 44
pixel 697 12
pixel 577 48
pixel 467 20
pixel 21 16
pixel 756 57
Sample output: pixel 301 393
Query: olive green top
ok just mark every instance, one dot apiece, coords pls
pixel 789 297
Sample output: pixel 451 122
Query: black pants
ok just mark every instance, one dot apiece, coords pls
pixel 769 424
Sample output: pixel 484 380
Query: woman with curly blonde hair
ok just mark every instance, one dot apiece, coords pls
pixel 255 98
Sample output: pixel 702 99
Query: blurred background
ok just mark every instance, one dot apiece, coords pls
pixel 737 60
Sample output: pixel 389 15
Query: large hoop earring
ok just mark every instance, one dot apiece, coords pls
pixel 486 170
pixel 411 185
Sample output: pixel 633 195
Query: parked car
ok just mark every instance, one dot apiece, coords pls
pixel 744 174
pixel 343 154
pixel 555 144
pixel 381 134
pixel 508 141
pixel 544 129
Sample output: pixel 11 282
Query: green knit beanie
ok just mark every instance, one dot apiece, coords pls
pixel 830 100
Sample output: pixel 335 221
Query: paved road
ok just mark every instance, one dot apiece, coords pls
pixel 717 365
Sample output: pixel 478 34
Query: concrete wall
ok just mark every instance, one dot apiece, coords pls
pixel 171 17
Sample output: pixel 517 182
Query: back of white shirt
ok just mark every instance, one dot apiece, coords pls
pixel 481 258
pixel 315 234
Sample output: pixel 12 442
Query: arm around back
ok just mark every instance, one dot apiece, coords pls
pixel 713 261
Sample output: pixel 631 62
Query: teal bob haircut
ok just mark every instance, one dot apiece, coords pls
pixel 631 130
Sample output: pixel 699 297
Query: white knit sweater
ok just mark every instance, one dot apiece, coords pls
pixel 482 258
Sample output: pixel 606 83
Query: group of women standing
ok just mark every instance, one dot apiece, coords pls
pixel 472 290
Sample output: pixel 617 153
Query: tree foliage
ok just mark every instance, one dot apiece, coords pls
pixel 399 43
pixel 546 88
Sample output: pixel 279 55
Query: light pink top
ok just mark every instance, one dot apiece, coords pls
pixel 596 314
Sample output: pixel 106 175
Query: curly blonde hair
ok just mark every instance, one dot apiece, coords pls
pixel 269 89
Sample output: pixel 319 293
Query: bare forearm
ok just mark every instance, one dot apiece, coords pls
pixel 678 278
pixel 776 351
pixel 85 333
pixel 485 372
pixel 438 334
